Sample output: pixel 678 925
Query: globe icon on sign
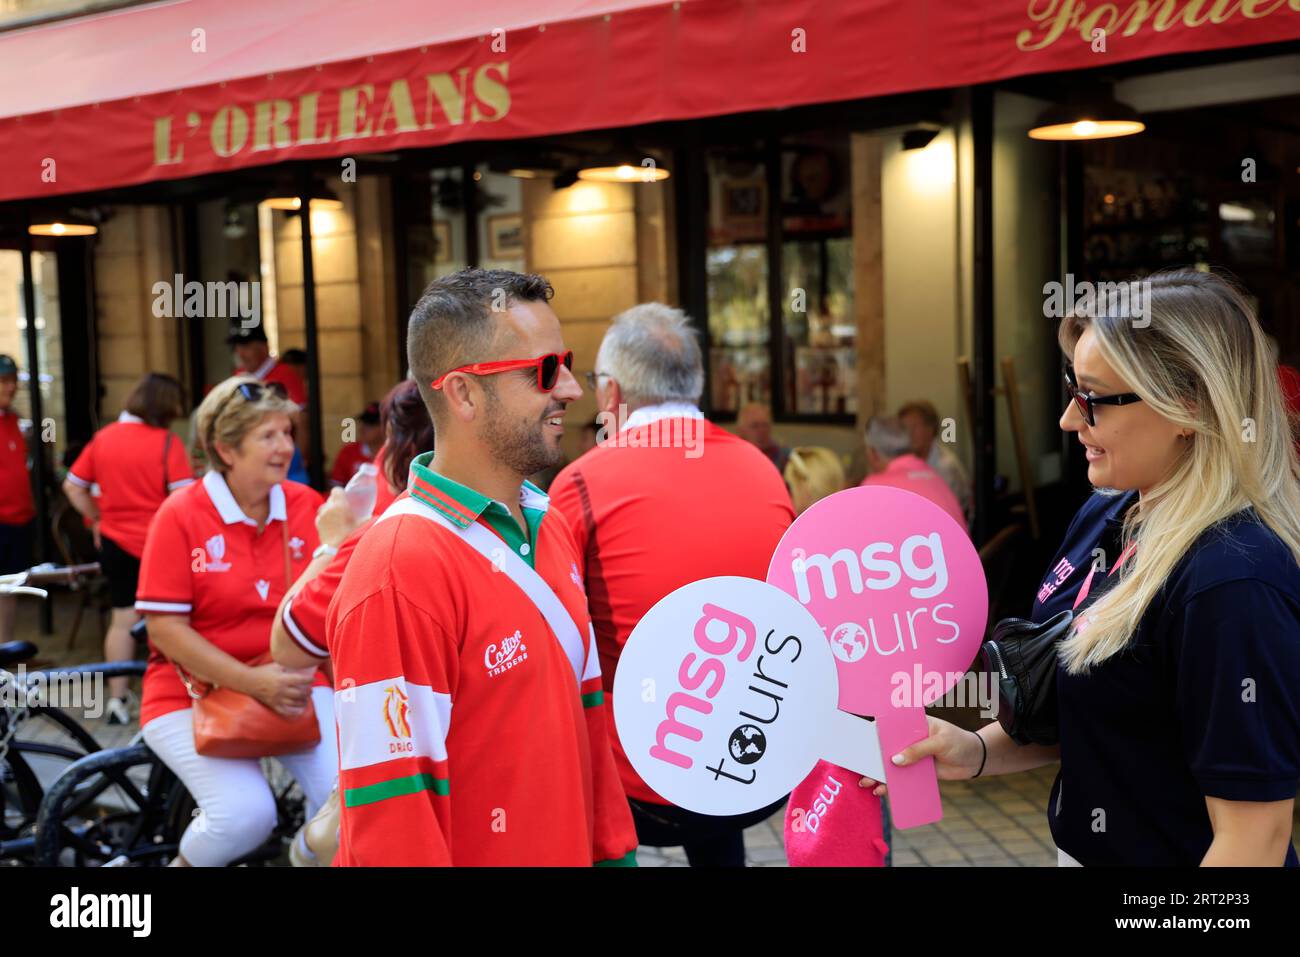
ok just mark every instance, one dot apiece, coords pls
pixel 849 642
pixel 747 744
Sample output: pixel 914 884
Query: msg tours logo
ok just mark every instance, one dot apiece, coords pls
pixel 718 633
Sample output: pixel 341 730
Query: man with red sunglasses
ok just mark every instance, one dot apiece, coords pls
pixel 471 716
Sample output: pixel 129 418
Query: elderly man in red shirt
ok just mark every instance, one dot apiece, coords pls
pixel 666 498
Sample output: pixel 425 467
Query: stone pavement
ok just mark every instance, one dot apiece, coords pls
pixel 998 822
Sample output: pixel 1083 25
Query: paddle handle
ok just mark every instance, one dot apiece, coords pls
pixel 913 790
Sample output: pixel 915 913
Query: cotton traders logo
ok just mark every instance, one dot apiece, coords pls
pixel 397 712
pixel 511 652
pixel 216 549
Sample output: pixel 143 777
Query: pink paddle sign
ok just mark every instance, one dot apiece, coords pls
pixel 899 591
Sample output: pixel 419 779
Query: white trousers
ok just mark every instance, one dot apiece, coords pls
pixel 236 804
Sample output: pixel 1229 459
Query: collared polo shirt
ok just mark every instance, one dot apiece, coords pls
pixel 909 473
pixel 675 499
pixel 206 559
pixel 1094 536
pixel 1203 702
pixel 15 480
pixel 465 736
pixel 125 460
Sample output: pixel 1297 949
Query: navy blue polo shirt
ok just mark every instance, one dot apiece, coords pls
pixel 1098 524
pixel 1204 702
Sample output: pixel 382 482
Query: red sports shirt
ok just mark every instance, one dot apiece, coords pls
pixel 204 558
pixel 384 497
pixel 15 481
pixel 304 616
pixel 648 520
pixel 273 370
pixel 351 457
pixel 465 736
pixel 126 460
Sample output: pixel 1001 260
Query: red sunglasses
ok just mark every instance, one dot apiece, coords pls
pixel 548 368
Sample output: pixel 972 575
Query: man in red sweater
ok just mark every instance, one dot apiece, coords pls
pixel 666 498
pixel 471 720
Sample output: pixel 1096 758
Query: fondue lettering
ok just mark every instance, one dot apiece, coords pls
pixel 1057 18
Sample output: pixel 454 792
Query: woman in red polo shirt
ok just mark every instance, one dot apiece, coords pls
pixel 137 463
pixel 219 557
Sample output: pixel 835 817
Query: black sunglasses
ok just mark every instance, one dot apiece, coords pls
pixel 1087 401
pixel 250 392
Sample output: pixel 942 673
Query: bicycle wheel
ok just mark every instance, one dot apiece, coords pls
pixel 131 820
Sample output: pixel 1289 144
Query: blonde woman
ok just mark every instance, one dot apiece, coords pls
pixel 218 559
pixel 1179 683
pixel 812 473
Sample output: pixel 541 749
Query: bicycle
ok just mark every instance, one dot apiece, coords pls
pixel 23 697
pixel 152 811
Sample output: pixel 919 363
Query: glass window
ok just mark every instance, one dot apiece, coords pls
pixel 435 228
pixel 502 237
pixel 739 328
pixel 736 267
pixel 808 324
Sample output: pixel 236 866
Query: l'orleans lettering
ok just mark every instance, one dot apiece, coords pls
pixel 1052 18
pixel 476 95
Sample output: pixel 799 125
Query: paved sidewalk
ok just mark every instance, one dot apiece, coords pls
pixel 998 822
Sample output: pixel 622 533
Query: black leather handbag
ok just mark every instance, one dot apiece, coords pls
pixel 1021 656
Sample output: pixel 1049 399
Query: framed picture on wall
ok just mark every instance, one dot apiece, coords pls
pixel 442 241
pixel 505 236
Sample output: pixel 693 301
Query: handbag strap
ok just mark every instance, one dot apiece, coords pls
pixel 167 447
pixel 1087 582
pixel 284 543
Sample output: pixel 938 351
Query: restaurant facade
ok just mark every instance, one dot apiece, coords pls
pixel 845 198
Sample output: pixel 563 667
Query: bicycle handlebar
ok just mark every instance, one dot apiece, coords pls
pixel 22 583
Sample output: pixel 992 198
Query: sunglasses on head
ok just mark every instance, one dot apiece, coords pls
pixel 548 368
pixel 249 392
pixel 1087 402
pixel 253 391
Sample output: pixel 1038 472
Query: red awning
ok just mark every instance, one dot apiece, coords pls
pixel 178 89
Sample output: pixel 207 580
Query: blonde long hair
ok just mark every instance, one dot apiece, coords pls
pixel 1204 364
pixel 812 473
